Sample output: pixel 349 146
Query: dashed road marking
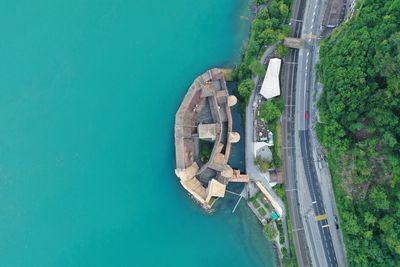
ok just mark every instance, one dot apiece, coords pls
pixel 320 217
pixel 290 190
pixel 297 229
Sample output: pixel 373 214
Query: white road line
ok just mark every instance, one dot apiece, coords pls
pixel 305 83
pixel 326 225
pixel 297 229
pixel 314 202
pixel 289 190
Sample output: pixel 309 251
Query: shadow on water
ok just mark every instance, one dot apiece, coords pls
pixel 236 159
pixel 243 219
pixel 237 156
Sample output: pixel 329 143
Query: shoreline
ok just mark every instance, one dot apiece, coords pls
pixel 242 72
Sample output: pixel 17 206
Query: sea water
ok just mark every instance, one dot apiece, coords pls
pixel 88 94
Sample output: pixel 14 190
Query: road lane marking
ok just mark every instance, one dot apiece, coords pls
pixel 297 229
pixel 321 217
pixel 289 190
pixel 314 202
pixel 326 225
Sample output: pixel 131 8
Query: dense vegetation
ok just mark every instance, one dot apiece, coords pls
pixel 269 231
pixel 270 112
pixel 268 28
pixel 360 114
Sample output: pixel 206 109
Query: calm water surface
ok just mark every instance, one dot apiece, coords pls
pixel 88 93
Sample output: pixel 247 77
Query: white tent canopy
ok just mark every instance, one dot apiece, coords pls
pixel 270 87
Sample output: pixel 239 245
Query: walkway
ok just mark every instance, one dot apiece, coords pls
pixel 251 169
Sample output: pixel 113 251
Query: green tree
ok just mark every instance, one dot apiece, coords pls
pixel 263 14
pixel 283 10
pixel 262 164
pixel 269 36
pixel 269 112
pixel 282 50
pixel 257 68
pixel 245 88
pixel 269 231
pixel 379 199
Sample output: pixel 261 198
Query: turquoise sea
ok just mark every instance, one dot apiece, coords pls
pixel 88 94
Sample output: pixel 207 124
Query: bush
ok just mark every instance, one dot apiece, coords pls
pixel 262 164
pixel 245 89
pixel 282 50
pixel 270 112
pixel 270 232
pixel 257 68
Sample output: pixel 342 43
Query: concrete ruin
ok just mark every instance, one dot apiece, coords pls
pixel 205 116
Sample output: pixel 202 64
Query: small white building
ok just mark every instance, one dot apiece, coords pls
pixel 270 87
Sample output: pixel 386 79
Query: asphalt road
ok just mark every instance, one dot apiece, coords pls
pixel 318 227
pixel 312 238
pixel 316 198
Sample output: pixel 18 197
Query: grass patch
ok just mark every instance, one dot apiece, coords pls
pixel 205 150
pixel 262 211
